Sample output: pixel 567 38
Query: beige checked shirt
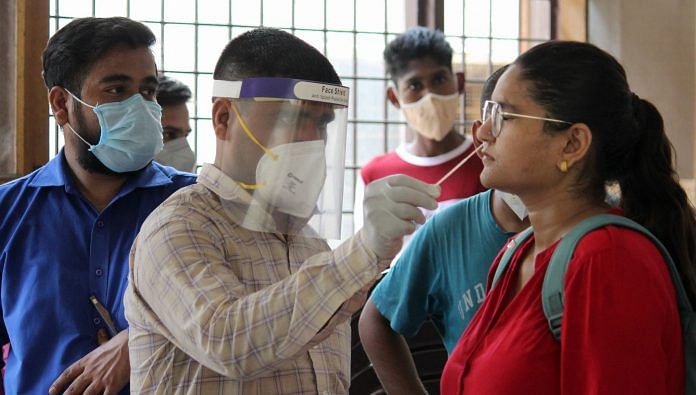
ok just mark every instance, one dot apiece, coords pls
pixel 215 308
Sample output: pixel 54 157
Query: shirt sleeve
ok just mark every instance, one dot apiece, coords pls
pixel 405 295
pixel 182 275
pixel 620 329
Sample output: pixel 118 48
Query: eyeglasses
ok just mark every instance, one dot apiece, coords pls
pixel 492 110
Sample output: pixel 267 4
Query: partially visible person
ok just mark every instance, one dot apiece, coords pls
pixel 66 229
pixel 173 95
pixel 233 288
pixel 562 124
pixel 5 354
pixel 440 275
pixel 428 93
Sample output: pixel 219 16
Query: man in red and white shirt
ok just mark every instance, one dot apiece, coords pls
pixel 428 93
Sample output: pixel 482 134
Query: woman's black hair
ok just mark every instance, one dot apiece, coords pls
pixel 579 82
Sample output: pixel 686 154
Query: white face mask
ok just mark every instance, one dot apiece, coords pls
pixel 178 154
pixel 515 204
pixel 293 181
pixel 433 115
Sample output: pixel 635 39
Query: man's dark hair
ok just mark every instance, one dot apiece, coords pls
pixel 416 43
pixel 267 52
pixel 171 92
pixel 73 50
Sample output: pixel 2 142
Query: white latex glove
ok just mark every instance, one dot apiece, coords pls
pixel 391 211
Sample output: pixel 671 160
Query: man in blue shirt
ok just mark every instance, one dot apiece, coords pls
pixel 66 229
pixel 442 275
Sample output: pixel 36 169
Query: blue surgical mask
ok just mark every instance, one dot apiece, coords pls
pixel 131 133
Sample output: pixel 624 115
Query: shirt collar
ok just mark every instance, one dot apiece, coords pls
pixel 57 173
pixel 151 176
pixel 222 185
pixel 54 174
pixel 240 206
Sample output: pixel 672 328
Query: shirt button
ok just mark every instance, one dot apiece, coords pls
pixel 98 272
pixel 96 321
pixel 100 224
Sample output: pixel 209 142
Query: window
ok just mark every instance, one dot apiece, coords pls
pixel 488 34
pixel 484 34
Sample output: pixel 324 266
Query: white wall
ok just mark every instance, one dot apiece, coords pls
pixel 655 41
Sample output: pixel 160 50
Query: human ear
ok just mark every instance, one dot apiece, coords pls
pixel 221 118
pixel 393 97
pixel 58 100
pixel 578 140
pixel 474 135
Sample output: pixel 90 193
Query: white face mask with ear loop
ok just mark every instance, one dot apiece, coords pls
pixel 178 154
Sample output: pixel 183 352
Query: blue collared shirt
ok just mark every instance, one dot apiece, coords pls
pixel 56 250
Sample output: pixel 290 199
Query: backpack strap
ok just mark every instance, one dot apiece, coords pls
pixel 552 292
pixel 512 246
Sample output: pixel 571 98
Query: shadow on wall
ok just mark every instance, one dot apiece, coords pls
pixel 7 87
pixel 7 144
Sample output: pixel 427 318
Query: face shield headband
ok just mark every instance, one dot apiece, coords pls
pixel 281 88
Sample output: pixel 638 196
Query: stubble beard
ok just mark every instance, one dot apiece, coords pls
pixel 87 160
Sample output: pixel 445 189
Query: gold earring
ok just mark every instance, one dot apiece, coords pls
pixel 563 166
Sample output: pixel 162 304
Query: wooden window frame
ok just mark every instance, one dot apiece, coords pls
pixel 31 99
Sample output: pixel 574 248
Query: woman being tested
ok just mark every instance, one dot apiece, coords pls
pixel 562 124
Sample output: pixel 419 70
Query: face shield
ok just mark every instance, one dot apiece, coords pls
pixel 284 155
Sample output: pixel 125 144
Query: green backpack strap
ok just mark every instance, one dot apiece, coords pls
pixel 512 246
pixel 552 294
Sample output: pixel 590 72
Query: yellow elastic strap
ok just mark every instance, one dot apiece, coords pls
pixel 251 135
pixel 244 185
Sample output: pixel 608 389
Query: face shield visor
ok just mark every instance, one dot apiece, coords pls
pixel 284 155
